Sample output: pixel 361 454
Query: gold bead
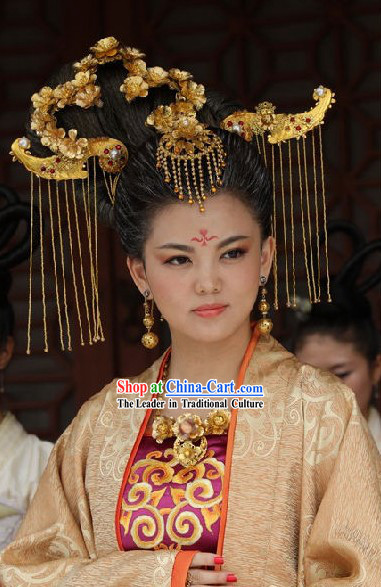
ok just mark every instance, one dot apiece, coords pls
pixel 149 340
pixel 213 190
pixel 264 325
pixel 148 321
pixel 263 306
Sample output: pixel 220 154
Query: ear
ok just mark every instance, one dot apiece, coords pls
pixel 6 352
pixel 376 370
pixel 138 273
pixel 267 254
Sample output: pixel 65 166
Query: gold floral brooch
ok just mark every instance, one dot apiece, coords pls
pixel 190 429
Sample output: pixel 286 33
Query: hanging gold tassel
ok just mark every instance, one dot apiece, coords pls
pixel 329 299
pixel 284 223
pixel 99 331
pixel 62 253
pixel 317 229
pixel 80 260
pixel 30 266
pixel 73 264
pixel 274 232
pixel 291 194
pixel 312 271
pixel 46 348
pixel 302 218
pixel 55 265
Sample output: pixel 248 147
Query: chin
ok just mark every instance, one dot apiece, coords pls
pixel 212 330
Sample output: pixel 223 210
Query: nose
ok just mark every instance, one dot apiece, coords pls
pixel 208 282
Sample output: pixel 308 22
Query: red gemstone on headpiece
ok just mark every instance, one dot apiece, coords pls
pixel 230 123
pixel 292 119
pixel 43 168
pixel 58 160
pixel 308 119
pixel 118 147
pixel 106 151
pixel 240 122
pixel 52 170
pixel 298 127
pixel 110 162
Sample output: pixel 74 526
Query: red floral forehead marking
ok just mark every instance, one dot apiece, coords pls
pixel 204 238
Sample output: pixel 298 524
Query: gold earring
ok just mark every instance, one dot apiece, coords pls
pixel 264 325
pixel 149 339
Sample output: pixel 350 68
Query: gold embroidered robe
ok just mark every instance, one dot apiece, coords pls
pixel 304 500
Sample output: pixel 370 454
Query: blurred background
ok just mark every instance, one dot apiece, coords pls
pixel 249 50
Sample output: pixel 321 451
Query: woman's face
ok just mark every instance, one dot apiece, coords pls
pixel 342 359
pixel 195 259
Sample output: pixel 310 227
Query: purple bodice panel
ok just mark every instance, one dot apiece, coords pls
pixel 166 505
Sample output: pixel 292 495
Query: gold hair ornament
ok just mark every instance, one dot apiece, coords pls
pixel 184 144
pixel 187 146
pixel 301 189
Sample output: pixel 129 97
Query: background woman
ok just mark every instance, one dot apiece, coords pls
pixel 342 336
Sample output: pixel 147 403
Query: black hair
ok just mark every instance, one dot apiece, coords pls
pixel 145 192
pixel 12 253
pixel 141 190
pixel 7 316
pixel 348 319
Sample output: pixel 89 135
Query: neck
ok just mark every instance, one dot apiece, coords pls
pixel 200 362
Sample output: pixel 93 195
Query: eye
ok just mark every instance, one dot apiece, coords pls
pixel 343 375
pixel 234 254
pixel 179 260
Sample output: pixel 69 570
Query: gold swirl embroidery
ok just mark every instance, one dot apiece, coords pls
pixel 147 530
pixel 209 499
pixel 179 523
pixel 211 515
pixel 155 454
pixel 138 495
pixel 189 473
pixel 152 527
pixel 158 473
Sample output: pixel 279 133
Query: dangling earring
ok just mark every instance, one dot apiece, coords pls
pixel 149 339
pixel 264 325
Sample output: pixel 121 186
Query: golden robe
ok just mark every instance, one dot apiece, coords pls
pixel 302 498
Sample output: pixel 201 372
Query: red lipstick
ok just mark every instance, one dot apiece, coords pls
pixel 210 310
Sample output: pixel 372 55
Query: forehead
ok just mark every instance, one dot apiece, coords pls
pixel 224 214
pixel 324 350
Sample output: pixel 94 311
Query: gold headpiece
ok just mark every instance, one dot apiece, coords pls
pixel 307 191
pixel 187 149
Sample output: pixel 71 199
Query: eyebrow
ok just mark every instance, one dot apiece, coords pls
pixel 340 366
pixel 189 249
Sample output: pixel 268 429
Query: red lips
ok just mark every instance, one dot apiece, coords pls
pixel 210 310
pixel 210 307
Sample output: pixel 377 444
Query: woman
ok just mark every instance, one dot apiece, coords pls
pixel 342 338
pixel 256 497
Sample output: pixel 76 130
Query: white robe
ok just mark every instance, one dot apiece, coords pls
pixel 374 425
pixel 23 458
